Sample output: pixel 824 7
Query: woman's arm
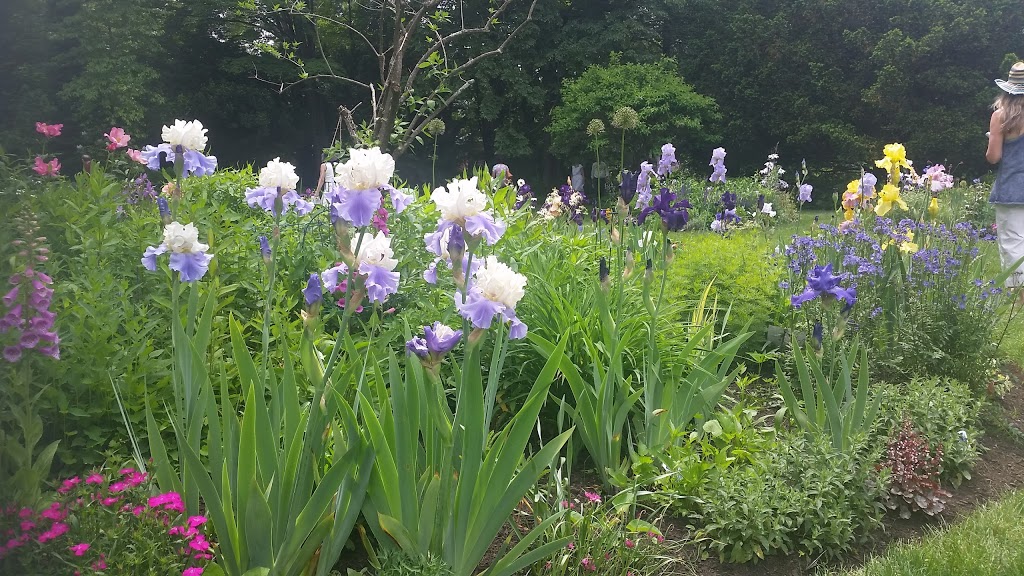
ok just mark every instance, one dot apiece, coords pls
pixel 995 138
pixel 320 182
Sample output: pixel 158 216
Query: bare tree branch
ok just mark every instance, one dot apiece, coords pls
pixel 414 132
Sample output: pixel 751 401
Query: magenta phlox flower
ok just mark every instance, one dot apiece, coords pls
pixel 94 479
pixel 79 549
pixel 667 164
pixel 196 521
pixel 592 497
pixel 49 130
pixel 67 485
pixel 117 138
pixel 57 530
pixel 193 571
pixel 380 220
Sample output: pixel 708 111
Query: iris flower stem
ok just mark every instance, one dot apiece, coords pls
pixel 345 317
pixel 271 280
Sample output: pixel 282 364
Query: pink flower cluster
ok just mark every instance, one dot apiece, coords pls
pixel 51 525
pixel 27 321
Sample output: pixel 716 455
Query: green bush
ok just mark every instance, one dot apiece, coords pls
pixel 801 497
pixel 745 280
pixel 940 410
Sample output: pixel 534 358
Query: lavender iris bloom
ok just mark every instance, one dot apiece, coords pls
pixel 161 205
pixel 266 198
pixel 190 266
pixel 668 162
pixel 729 200
pixel 867 185
pixel 417 346
pixel 805 193
pixel 718 165
pixel 313 292
pixel 643 185
pixel 821 283
pixel 440 338
pixel 195 162
pixel 356 206
pixel 264 247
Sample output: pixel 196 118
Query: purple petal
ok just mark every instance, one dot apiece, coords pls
pixel 12 353
pixel 198 164
pixel 440 338
pixel 417 346
pixel 484 225
pixel 478 310
pixel 434 239
pixel 358 206
pixel 151 154
pixel 191 266
pixel 149 256
pixel 430 274
pixel 313 291
pixel 261 197
pixel 517 330
pixel 379 282
pixel 400 200
pixel 330 277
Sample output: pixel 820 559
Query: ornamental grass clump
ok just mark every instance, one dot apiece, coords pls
pixel 105 523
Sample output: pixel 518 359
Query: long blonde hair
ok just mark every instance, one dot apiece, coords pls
pixel 1012 107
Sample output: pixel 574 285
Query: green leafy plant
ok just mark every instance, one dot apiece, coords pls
pixel 451 497
pixel 833 405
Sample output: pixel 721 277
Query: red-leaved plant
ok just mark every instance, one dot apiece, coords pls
pixel 105 525
pixel 915 466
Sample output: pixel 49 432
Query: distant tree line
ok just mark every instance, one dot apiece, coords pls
pixel 828 81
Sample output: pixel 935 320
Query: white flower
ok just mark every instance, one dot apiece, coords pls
pixel 773 156
pixel 460 200
pixel 277 174
pixel 190 135
pixel 520 183
pixel 646 238
pixel 375 251
pixel 499 283
pixel 365 169
pixel 781 171
pixel 767 209
pixel 185 239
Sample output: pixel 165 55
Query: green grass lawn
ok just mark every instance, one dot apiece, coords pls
pixel 989 542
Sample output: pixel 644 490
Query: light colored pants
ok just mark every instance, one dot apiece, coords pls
pixel 1010 236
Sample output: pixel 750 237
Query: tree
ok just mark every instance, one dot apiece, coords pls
pixel 420 51
pixel 669 110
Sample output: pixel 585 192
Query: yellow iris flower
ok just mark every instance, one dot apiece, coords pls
pixel 908 246
pixel 887 197
pixel 933 208
pixel 895 157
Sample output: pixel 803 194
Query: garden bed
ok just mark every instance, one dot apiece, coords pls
pixel 1000 469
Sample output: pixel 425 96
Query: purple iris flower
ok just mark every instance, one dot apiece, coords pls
pixel 399 200
pixel 313 292
pixel 760 202
pixel 718 164
pixel 643 185
pixel 867 185
pixel 627 189
pixel 440 338
pixel 805 193
pixel 380 282
pixel 266 198
pixel 668 163
pixel 417 346
pixel 356 206
pixel 729 200
pixel 674 215
pixel 524 197
pixel 195 163
pixel 821 283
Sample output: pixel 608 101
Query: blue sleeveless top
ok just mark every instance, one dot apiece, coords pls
pixel 1009 185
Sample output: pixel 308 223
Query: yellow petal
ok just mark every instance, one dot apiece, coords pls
pixel 883 207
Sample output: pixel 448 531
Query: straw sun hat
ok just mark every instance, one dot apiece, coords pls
pixel 1014 83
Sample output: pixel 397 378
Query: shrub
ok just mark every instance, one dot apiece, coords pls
pixel 914 481
pixel 802 497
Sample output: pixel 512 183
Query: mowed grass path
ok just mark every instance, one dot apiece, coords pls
pixel 988 542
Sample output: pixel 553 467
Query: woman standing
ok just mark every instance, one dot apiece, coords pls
pixel 1006 148
pixel 326 181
